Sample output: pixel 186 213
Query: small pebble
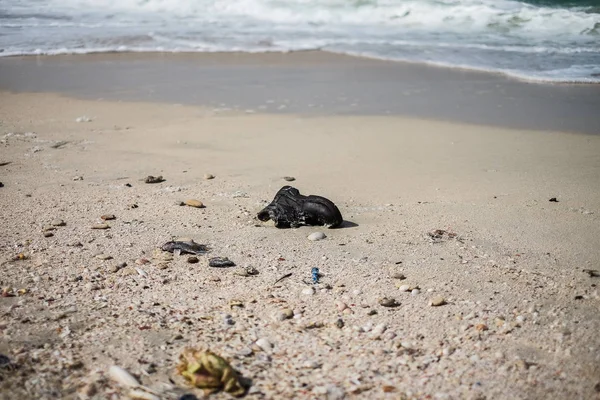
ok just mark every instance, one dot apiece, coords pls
pixel 289 178
pixel 194 203
pixel 437 301
pixel 58 222
pixel 192 259
pixel 264 344
pixel 388 302
pixel 78 178
pixel 378 331
pixel 397 275
pixel 209 176
pixel 404 288
pixel 415 292
pixel 341 306
pixel 339 323
pixel 108 217
pixel 48 234
pixel 154 179
pixel 309 291
pixel 220 262
pixel 122 377
pixel 100 226
pixel 316 236
pixel 137 394
pixel 103 257
pixel 283 315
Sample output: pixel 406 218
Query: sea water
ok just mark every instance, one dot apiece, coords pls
pixel 556 41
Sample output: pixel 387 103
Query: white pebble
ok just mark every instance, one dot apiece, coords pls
pixel 122 377
pixel 520 319
pixel 264 344
pixel 415 292
pixel 378 331
pixel 316 236
pixel 141 395
pixel 404 288
pixel 309 291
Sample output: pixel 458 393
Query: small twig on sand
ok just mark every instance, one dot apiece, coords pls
pixel 282 278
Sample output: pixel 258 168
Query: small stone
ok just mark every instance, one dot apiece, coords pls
pixel 194 203
pixel 264 344
pixel 520 319
pixel 372 312
pixel 108 217
pixel 481 327
pixel 388 302
pixel 100 226
pixel 553 200
pixel 154 179
pixel 437 301
pixel 415 292
pixel 58 222
pixel 122 377
pixel 397 275
pixel 404 288
pixel 192 260
pixel 209 176
pixel 289 178
pixel 142 261
pixel 309 291
pixel 103 257
pixel 311 365
pixel 78 178
pixel 339 323
pixel 48 234
pixel 92 286
pixel 220 262
pixel 341 306
pixel 378 331
pixel 316 236
pixel 283 315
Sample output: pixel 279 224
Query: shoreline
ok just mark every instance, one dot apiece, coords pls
pixel 310 83
pixel 433 64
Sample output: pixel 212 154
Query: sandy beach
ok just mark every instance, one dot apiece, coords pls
pixel 469 190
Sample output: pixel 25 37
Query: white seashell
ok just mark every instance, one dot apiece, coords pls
pixel 122 377
pixel 141 272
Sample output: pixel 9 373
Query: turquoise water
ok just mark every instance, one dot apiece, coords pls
pixel 541 40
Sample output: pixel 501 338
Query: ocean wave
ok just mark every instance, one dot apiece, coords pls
pixel 514 37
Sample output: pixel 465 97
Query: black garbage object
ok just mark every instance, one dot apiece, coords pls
pixel 290 209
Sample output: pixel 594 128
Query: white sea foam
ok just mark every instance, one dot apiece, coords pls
pixel 559 44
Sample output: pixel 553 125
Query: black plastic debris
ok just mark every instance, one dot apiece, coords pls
pixel 290 209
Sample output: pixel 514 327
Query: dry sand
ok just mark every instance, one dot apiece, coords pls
pixel 521 315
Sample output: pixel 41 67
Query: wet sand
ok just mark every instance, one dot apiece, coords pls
pixel 311 83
